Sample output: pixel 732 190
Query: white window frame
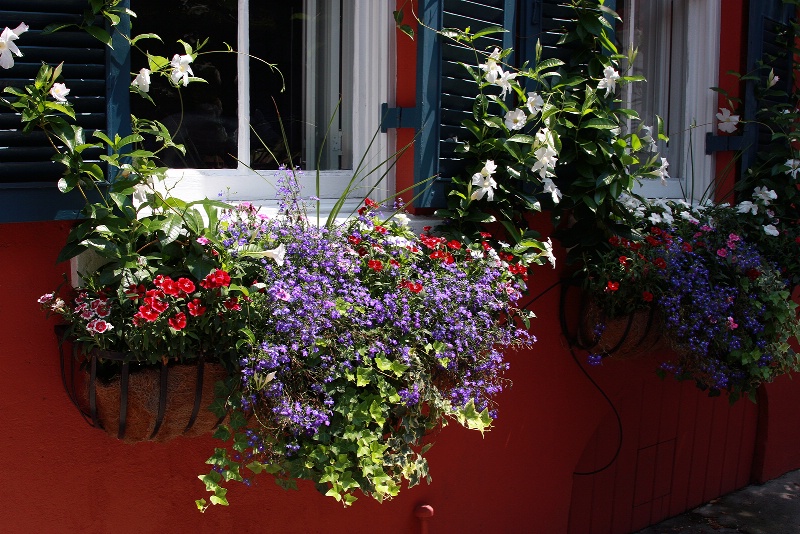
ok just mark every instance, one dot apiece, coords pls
pixel 373 61
pixel 702 53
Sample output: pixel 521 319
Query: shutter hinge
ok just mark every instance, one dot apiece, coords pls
pixel 399 117
pixel 722 143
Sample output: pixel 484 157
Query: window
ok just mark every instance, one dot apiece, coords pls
pixel 678 51
pixel 230 124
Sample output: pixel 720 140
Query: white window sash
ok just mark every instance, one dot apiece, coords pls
pixel 370 22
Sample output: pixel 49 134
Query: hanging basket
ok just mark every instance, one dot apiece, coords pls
pixel 622 337
pixel 153 403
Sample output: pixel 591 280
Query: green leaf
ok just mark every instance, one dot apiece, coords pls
pixel 100 34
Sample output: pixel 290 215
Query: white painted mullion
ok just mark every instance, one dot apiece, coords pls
pixel 309 87
pixel 243 80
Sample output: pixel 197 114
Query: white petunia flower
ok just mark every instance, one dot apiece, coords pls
pixel 534 103
pixel 492 68
pixel 661 172
pixel 689 217
pixel 484 181
pixel 727 122
pixel 771 230
pixel 548 252
pixel 548 186
pixel 142 81
pixel 181 69
pixel 7 47
pixel 794 167
pixel 59 91
pixel 515 120
pixel 504 81
pixel 747 206
pixel 609 81
pixel 545 160
pixel 764 195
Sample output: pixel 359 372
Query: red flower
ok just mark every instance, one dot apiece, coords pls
pixel 655 230
pixel 170 287
pixel 394 263
pixel 612 286
pixel 455 245
pixel 218 278
pixel 647 296
pixel 232 304
pixel 427 229
pixel 625 261
pixel 147 313
pixel 448 258
pixel 196 308
pixel 354 240
pixel 381 229
pixel 371 203
pixel 686 246
pixel 186 285
pixel 375 265
pixel 414 287
pixel 614 240
pixel 159 306
pixel 486 245
pixel 178 321
pixel 486 235
pixel 652 241
pixel 158 281
pixel 660 263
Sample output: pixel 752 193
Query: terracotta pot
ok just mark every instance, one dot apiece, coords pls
pixel 623 337
pixel 154 403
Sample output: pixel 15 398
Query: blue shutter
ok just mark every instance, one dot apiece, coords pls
pixel 98 80
pixel 768 23
pixel 445 92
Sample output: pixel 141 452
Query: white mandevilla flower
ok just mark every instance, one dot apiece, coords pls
pixel 515 120
pixel 7 47
pixel 655 218
pixel 689 217
pixel 59 91
pixel 727 122
pixel 609 81
pixel 492 69
pixel 548 186
pixel 534 103
pixel 661 172
pixel 545 160
pixel 504 81
pixel 794 167
pixel 772 79
pixel 771 230
pixel 747 207
pixel 484 181
pixel 401 219
pixel 764 195
pixel 142 80
pixel 181 69
pixel 548 252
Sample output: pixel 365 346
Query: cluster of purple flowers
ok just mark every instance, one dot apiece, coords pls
pixel 725 307
pixel 371 325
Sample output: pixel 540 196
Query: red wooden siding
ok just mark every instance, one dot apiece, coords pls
pixel 679 449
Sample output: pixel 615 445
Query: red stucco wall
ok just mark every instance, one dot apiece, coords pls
pixel 63 476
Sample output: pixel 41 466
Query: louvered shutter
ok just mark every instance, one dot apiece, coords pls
pixel 446 92
pixel 768 26
pixel 97 79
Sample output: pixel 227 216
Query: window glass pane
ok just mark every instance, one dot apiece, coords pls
pixel 201 116
pixel 304 39
pixel 657 29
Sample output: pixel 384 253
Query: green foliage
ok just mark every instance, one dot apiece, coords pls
pixel 559 140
